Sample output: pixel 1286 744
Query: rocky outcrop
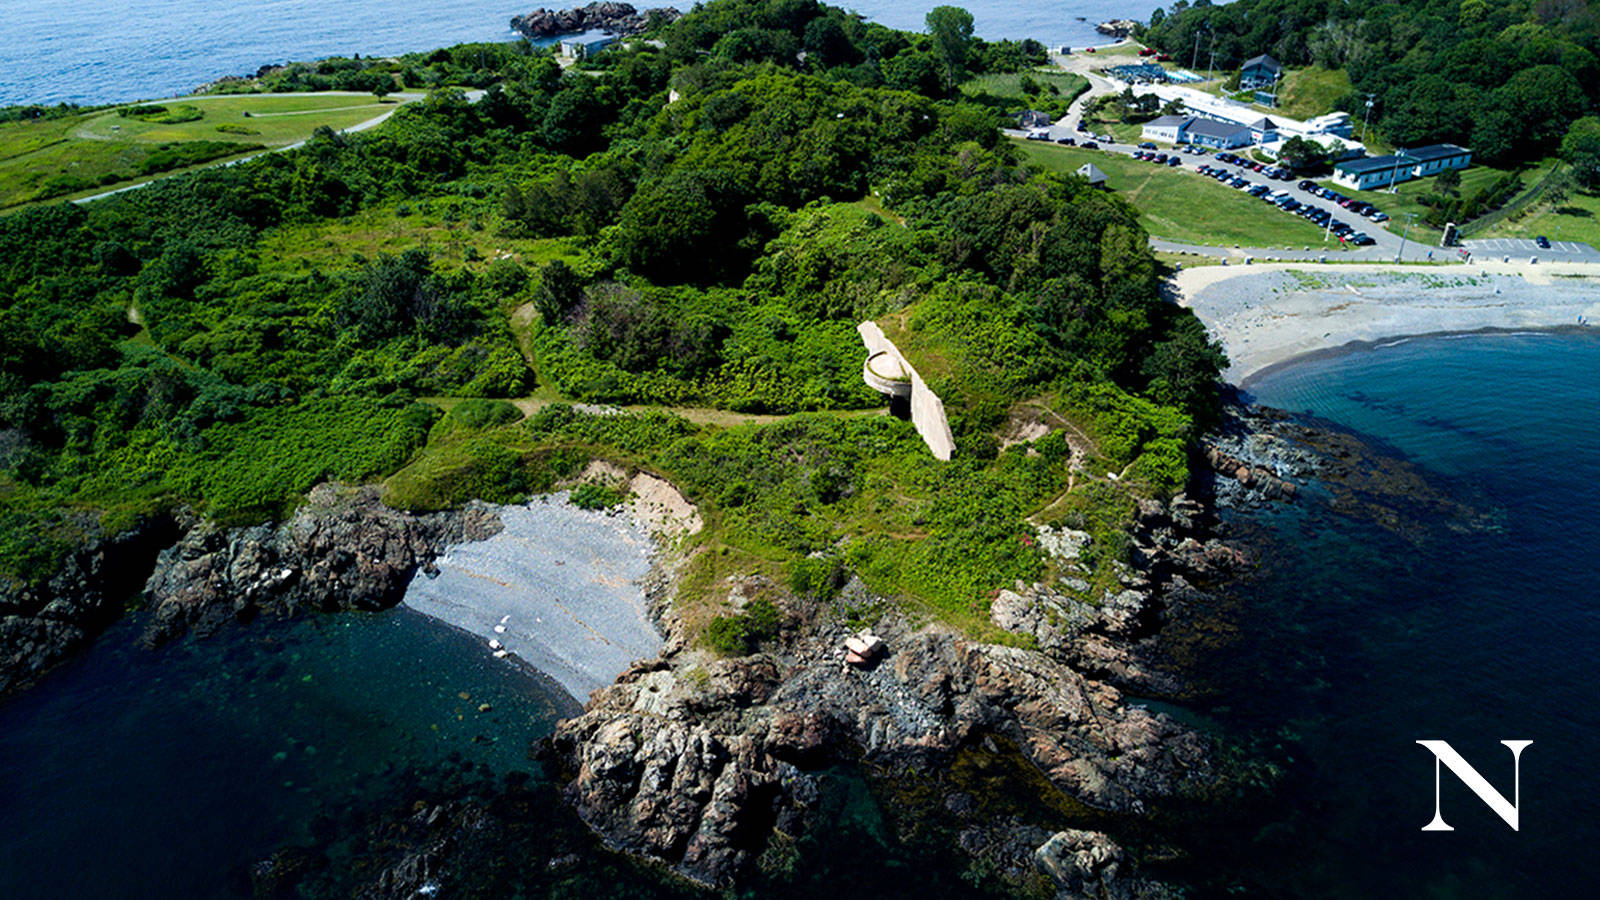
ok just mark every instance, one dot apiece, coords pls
pixel 343 549
pixel 41 625
pixel 615 18
pixel 1102 630
pixel 699 763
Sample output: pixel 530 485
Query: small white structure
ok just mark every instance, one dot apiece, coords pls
pixel 584 47
pixel 1091 174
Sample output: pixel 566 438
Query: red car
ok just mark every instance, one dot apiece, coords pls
pixel 1163 58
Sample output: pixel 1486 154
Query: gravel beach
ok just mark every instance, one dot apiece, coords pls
pixel 561 587
pixel 1269 314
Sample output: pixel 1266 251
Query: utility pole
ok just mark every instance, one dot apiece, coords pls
pixel 1194 60
pixel 1213 68
pixel 1403 235
pixel 1366 118
pixel 1394 174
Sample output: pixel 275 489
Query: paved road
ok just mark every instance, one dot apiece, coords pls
pixel 472 97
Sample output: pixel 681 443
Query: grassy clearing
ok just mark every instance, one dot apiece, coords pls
pixel 1182 206
pixel 1577 218
pixel 455 232
pixel 1308 93
pixel 1404 200
pixel 270 119
pixel 78 155
pixel 1010 84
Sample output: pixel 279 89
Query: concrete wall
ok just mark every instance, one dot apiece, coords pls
pixel 927 410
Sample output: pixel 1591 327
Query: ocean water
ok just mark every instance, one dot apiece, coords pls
pixel 1360 637
pixel 133 773
pixel 106 51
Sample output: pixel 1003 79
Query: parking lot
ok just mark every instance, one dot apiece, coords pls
pixel 1524 248
pixel 1387 245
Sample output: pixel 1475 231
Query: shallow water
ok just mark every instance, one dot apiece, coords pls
pixel 1359 640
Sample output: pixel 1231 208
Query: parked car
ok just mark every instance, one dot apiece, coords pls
pixel 1066 141
pixel 1147 146
pixel 1308 185
pixel 1038 135
pixel 1160 157
pixel 1362 240
pixel 1291 205
pixel 1174 161
pixel 1379 216
pixel 1089 145
pixel 1543 242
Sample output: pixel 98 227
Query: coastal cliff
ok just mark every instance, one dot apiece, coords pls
pixel 615 18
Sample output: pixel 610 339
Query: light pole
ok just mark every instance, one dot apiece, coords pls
pixel 1394 174
pixel 1194 59
pixel 1366 118
pixel 1403 236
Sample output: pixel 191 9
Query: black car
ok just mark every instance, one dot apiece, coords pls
pixel 1066 141
pixel 1543 242
pixel 1089 145
pixel 1147 146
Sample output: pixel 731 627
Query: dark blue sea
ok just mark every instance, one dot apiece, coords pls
pixel 1474 624
pixel 107 51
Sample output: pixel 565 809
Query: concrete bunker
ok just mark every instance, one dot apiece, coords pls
pixel 887 372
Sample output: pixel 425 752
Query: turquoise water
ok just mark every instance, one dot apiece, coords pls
pixel 1360 639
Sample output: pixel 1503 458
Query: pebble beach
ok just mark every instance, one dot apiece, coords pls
pixel 1266 315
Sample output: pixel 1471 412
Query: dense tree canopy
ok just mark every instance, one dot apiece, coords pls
pixel 1503 78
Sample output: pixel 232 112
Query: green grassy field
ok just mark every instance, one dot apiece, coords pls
pixel 75 155
pixel 1576 218
pixel 1404 200
pixel 1182 206
pixel 1308 93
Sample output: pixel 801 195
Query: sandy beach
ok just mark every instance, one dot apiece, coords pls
pixel 1266 315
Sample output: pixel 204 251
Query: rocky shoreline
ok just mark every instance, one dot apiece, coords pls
pixel 701 765
pixel 613 18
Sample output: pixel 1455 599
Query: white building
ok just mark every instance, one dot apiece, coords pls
pixel 1269 132
pixel 1386 171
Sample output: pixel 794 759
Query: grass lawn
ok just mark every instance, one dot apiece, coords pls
pixel 1182 206
pixel 1404 201
pixel 273 119
pixel 1577 218
pixel 79 155
pixel 1123 132
pixel 1308 93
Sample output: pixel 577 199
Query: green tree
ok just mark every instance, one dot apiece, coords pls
pixel 1299 153
pixel 951 27
pixel 1580 149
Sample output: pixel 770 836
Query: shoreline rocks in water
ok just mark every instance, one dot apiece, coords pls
pixel 614 18
pixel 42 625
pixel 343 549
